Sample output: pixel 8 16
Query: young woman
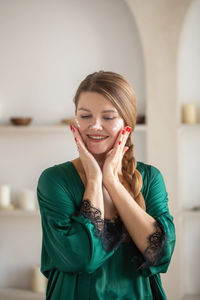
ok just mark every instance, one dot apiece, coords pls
pixel 107 229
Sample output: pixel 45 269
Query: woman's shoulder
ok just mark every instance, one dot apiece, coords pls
pixel 153 189
pixel 147 169
pixel 56 189
pixel 57 172
pixel 151 176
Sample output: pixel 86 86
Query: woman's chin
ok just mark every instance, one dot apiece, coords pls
pixel 97 150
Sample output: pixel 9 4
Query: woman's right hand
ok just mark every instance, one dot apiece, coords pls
pixel 90 165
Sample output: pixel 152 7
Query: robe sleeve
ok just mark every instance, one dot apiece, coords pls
pixel 162 241
pixel 69 240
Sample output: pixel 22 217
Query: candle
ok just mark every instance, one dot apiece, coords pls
pixel 39 281
pixel 4 195
pixel 189 113
pixel 27 200
pixel 1 110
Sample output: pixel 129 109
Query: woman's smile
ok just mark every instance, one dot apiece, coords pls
pixel 97 138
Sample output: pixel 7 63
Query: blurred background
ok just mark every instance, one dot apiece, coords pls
pixel 46 48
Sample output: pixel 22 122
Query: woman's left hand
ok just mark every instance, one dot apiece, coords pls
pixel 113 160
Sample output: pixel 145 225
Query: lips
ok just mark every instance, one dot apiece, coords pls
pixel 97 138
pixel 96 135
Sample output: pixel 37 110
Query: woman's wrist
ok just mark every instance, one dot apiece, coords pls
pixel 94 193
pixel 110 181
pixel 94 178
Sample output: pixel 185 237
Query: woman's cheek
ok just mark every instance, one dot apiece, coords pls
pixel 81 128
pixel 118 125
pixel 77 123
pixel 80 125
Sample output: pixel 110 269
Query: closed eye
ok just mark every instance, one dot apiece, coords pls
pixel 106 118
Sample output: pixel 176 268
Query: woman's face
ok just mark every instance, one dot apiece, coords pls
pixel 96 116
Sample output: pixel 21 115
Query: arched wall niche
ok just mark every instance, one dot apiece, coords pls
pixel 189 57
pixel 160 25
pixel 50 46
pixel 188 74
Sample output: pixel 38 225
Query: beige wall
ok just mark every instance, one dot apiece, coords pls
pixel 48 48
pixel 159 25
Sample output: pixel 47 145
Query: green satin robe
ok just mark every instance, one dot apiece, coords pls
pixel 73 258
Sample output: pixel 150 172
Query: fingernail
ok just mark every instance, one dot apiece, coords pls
pixel 119 142
pixel 75 139
pixel 71 127
pixel 123 131
pixel 128 129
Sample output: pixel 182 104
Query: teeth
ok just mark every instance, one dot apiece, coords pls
pixel 97 137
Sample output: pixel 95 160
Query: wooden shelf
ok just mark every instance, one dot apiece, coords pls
pixel 19 294
pixel 19 212
pixel 33 128
pixel 49 128
pixel 141 127
pixel 191 297
pixel 185 126
pixel 189 213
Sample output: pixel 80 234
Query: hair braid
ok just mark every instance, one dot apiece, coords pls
pixel 131 174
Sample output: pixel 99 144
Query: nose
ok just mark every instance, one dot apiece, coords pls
pixel 95 124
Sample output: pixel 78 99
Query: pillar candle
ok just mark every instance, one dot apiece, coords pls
pixel 4 195
pixel 39 281
pixel 27 200
pixel 1 110
pixel 189 113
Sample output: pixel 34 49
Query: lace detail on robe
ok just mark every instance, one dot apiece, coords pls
pixel 93 213
pixel 110 232
pixel 156 246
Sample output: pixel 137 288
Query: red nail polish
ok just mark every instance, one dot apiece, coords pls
pixel 75 139
pixel 128 129
pixel 119 142
pixel 71 127
pixel 123 131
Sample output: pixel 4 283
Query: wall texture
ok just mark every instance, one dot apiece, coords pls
pixel 159 24
pixel 49 46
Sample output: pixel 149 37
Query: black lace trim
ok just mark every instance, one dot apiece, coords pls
pixel 93 213
pixel 110 232
pixel 154 251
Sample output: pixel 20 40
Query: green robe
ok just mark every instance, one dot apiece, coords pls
pixel 73 257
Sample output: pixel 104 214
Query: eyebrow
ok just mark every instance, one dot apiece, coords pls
pixel 103 111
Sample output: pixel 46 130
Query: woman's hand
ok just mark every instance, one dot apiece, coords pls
pixel 90 165
pixel 113 160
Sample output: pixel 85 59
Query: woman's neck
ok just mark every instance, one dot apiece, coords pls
pixel 100 158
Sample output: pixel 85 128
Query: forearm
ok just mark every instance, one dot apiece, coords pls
pixel 138 223
pixel 93 208
pixel 93 195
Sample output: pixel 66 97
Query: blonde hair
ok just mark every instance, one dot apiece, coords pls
pixel 119 92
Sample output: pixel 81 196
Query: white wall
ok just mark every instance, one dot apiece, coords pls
pixel 49 46
pixel 159 24
pixel 189 57
pixel 189 149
